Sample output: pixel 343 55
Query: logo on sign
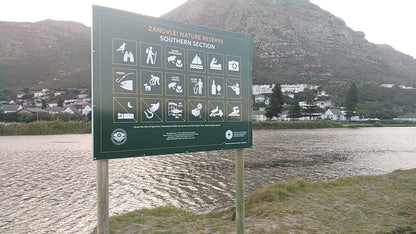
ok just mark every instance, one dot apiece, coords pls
pixel 229 134
pixel 119 136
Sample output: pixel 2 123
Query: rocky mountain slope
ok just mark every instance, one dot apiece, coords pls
pixel 32 53
pixel 296 41
pixel 293 41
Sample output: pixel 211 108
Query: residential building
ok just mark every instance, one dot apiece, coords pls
pixel 82 96
pixel 259 98
pixel 406 117
pixel 54 109
pixel 387 85
pixel 259 115
pixel 71 110
pixel 296 88
pixel 284 116
pixel 31 110
pixel 261 89
pixel 86 110
pixel 324 104
pixel 405 87
pixel 291 95
pixel 38 94
pixel 10 108
pixel 334 114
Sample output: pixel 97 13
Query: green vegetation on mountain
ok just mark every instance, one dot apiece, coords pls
pixel 377 102
pixel 47 53
pixel 295 41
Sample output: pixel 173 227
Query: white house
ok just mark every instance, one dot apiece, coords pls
pixel 406 117
pixel 334 114
pixel 71 110
pixel 54 109
pixel 87 109
pixel 324 104
pixel 259 115
pixel 259 98
pixel 387 86
pixel 38 94
pixel 260 89
pixel 82 96
pixel 284 116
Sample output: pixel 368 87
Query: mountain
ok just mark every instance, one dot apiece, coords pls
pixel 296 41
pixel 32 53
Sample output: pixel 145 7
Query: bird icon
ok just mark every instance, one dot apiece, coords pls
pixel 122 48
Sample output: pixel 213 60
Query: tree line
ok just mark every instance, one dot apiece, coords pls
pixel 277 100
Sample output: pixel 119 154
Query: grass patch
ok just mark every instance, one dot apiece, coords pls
pixel 360 204
pixel 307 124
pixel 313 124
pixel 46 128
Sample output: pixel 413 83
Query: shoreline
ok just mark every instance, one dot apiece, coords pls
pixel 81 127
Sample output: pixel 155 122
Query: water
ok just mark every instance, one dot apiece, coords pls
pixel 48 183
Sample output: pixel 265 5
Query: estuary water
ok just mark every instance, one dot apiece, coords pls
pixel 48 183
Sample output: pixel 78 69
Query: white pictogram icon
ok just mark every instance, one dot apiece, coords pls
pixel 154 81
pixel 175 87
pixel 235 88
pixel 196 63
pixel 196 112
pixel 216 112
pixel 215 89
pixel 151 56
pixel 198 87
pixel 128 55
pixel 174 58
pixel 235 112
pixel 125 116
pixel 125 84
pixel 233 65
pixel 175 109
pixel 149 113
pixel 213 65
pixel 122 48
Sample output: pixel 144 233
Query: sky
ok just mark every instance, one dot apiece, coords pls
pixel 391 22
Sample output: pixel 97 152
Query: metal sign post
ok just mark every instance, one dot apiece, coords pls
pixel 239 179
pixel 102 197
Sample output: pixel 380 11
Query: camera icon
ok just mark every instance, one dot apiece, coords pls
pixel 233 65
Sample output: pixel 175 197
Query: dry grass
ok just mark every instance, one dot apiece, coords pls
pixel 361 204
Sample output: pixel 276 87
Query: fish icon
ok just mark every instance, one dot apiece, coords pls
pixel 127 85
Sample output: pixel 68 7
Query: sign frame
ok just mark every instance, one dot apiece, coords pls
pixel 139 108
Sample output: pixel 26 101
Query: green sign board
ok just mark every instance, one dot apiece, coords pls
pixel 162 87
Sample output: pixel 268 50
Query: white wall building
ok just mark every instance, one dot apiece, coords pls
pixel 261 89
pixel 296 88
pixel 334 114
pixel 387 85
